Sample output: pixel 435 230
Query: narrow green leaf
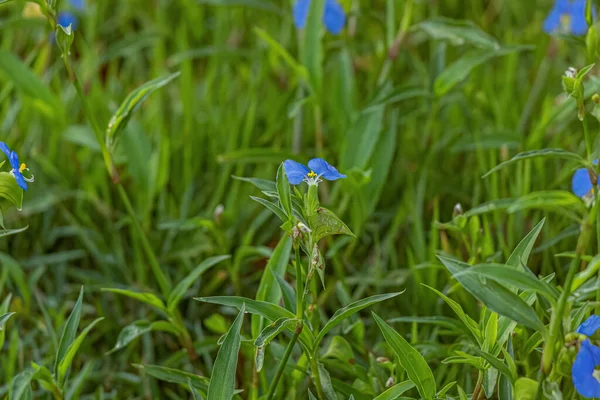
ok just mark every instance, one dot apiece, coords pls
pixel 312 47
pixel 544 153
pixel 179 291
pixel 458 33
pixel 4 318
pixel 263 184
pixel 274 329
pixel 69 333
pixel 298 69
pixel 283 190
pixel 138 328
pixel 350 310
pixel 471 325
pixel 494 362
pixel 269 311
pixel 520 255
pixel 395 391
pixel 144 297
pixel 289 296
pixel 64 365
pixel 411 360
pixel 271 206
pixel 174 376
pixel 20 385
pixel 495 296
pixel 268 289
pixel 222 382
pixel 121 117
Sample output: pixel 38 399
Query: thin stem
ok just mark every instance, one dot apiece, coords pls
pixel 283 362
pixel 588 138
pixel 314 361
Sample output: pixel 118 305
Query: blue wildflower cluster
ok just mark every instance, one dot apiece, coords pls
pixel 334 17
pixel 567 16
pixel 17 168
pixel 317 169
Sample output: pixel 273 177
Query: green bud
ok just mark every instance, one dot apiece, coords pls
pixel 64 39
pixel 591 43
pixel 312 200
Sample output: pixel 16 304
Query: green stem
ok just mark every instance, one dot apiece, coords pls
pixel 314 362
pixel 299 315
pixel 588 138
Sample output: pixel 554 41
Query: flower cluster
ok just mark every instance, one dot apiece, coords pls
pixel 334 17
pixel 317 169
pixel 17 168
pixel 567 16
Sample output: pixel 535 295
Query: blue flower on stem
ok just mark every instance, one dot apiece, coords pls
pixel 317 169
pixel 17 169
pixel 567 16
pixel 334 17
pixel 585 372
pixel 581 184
pixel 66 18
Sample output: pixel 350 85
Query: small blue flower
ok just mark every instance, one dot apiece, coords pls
pixel 334 17
pixel 581 184
pixel 584 373
pixel 317 169
pixel 567 16
pixel 17 168
pixel 66 18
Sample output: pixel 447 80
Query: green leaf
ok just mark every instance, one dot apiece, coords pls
pixel 10 190
pixel 544 153
pixel 495 362
pixel 222 382
pixel 525 389
pixel 520 255
pixel 411 360
pixel 471 325
pixel 64 365
pixel 20 385
pixel 269 333
pixel 289 296
pixel 298 69
pixel 4 318
pixel 69 333
pixel 495 296
pixel 460 69
pixel 283 190
pixel 350 310
pixel 175 376
pixel 8 232
pixel 311 49
pixel 64 39
pixel 121 117
pixel 179 291
pixel 458 33
pixel 138 328
pixel 271 206
pixel 268 289
pixel 269 311
pixel 263 184
pixel 145 297
pixel 395 391
pixel 510 277
pixel 325 223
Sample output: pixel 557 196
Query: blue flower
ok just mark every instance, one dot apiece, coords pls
pixel 66 18
pixel 567 16
pixel 584 373
pixel 581 183
pixel 334 17
pixel 17 168
pixel 317 169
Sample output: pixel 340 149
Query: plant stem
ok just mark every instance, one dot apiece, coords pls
pixel 299 325
pixel 314 361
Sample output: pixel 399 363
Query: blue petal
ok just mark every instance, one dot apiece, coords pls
pixel 14 160
pixel 583 368
pixel 295 171
pixel 323 169
pixel 67 18
pixel 20 179
pixel 5 149
pixel 589 326
pixel 334 17
pixel 581 183
pixel 577 15
pixel 552 21
pixel 300 13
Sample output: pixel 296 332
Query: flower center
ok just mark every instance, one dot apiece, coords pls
pixel 312 174
pixel 565 22
pixel 22 168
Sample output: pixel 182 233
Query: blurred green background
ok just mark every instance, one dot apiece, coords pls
pixel 413 113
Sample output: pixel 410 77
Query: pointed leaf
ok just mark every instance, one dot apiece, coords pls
pixel 145 297
pixel 325 223
pixel 545 153
pixel 69 333
pixel 64 365
pixel 174 376
pixel 395 391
